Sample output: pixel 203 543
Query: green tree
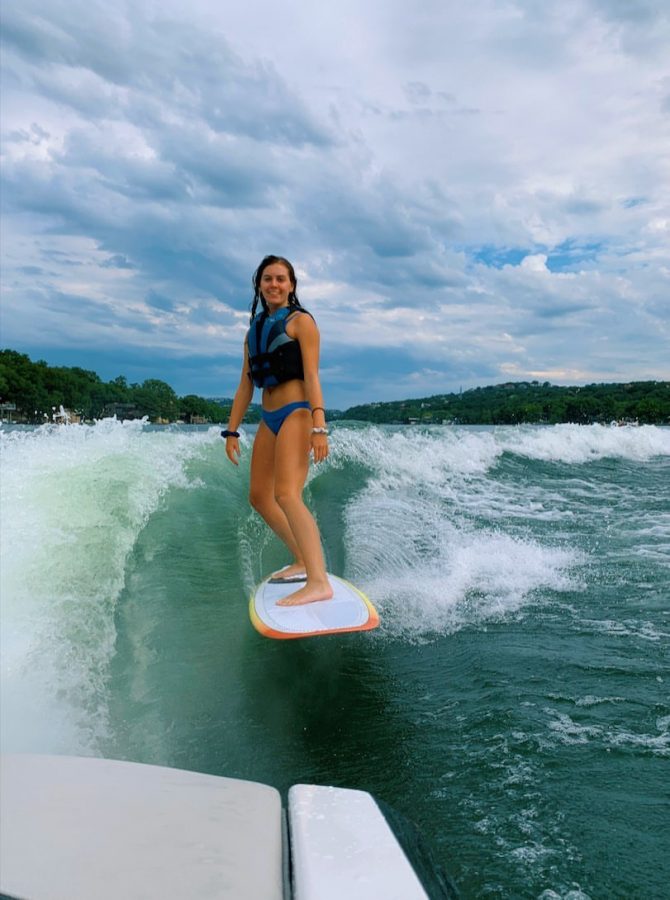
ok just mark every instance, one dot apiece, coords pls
pixel 156 399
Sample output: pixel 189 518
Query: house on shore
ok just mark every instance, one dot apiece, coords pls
pixel 122 411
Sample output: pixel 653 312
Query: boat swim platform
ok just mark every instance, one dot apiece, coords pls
pixel 83 827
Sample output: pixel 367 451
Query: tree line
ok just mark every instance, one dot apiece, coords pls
pixel 37 390
pixel 516 403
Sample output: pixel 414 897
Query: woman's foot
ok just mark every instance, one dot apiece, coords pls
pixel 289 574
pixel 311 593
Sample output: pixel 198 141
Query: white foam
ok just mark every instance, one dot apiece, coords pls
pixel 586 443
pixel 569 894
pixel 564 729
pixel 645 631
pixel 531 854
pixel 442 536
pixel 570 732
pixel 591 700
pixel 399 457
pixel 451 449
pixel 74 501
pixel 410 538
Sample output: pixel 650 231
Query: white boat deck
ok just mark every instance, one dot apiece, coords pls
pixel 79 829
pixel 342 847
pixel 96 829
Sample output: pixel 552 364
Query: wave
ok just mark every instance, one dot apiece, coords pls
pixel 418 533
pixel 580 444
pixel 447 450
pixel 453 526
pixel 74 501
pixel 442 527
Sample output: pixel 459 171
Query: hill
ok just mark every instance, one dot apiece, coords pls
pixel 513 403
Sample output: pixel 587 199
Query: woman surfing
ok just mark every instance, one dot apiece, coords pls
pixel 281 356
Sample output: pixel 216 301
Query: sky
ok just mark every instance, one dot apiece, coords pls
pixel 471 193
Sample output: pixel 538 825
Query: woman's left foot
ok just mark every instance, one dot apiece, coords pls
pixel 308 594
pixel 289 574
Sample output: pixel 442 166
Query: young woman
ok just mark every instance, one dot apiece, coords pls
pixel 281 356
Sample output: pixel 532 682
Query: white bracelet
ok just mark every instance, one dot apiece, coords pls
pixel 319 431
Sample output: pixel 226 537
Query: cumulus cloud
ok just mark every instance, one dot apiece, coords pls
pixel 469 192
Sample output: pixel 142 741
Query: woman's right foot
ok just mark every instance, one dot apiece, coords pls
pixel 295 572
pixel 312 594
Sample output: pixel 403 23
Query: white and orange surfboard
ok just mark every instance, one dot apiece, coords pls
pixel 349 610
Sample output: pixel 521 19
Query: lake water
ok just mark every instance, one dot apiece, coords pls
pixel 514 702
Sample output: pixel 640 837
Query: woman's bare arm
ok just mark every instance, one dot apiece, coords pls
pixel 241 401
pixel 308 335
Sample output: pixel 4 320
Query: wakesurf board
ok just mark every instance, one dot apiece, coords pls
pixel 348 610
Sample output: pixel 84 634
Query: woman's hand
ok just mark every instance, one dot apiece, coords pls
pixel 319 447
pixel 233 450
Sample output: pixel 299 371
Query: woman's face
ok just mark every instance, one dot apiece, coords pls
pixel 276 285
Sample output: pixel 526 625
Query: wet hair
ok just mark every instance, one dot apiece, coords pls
pixel 293 301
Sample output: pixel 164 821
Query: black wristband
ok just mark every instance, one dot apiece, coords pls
pixel 314 409
pixel 227 434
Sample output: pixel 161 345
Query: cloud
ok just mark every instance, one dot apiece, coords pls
pixel 535 262
pixel 483 190
pixel 117 261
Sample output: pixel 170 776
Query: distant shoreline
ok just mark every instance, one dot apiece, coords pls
pixel 530 403
pixel 35 393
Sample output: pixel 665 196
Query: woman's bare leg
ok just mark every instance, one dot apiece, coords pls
pixel 291 463
pixel 262 494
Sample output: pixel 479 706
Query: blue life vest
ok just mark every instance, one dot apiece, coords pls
pixel 274 357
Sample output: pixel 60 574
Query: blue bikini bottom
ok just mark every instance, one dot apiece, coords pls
pixel 275 418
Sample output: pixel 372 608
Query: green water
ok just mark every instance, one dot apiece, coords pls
pixel 514 702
